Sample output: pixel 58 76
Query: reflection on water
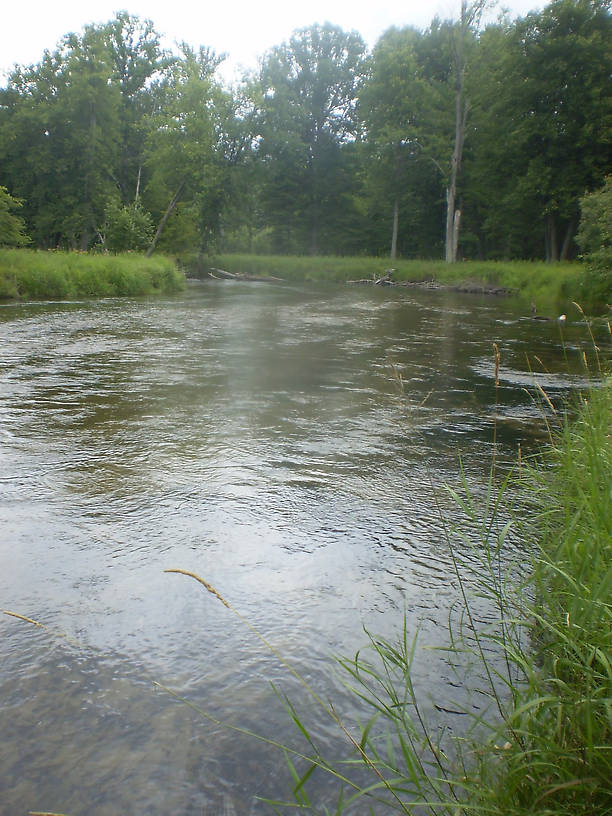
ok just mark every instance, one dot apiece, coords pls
pixel 254 435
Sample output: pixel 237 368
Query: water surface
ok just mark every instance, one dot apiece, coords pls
pixel 257 436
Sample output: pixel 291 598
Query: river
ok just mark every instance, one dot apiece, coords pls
pixel 256 435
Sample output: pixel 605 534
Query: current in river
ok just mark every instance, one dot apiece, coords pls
pixel 289 444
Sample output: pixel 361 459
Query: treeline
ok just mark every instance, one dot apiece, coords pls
pixel 456 141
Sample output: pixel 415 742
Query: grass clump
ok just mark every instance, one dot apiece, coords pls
pixel 555 634
pixel 546 745
pixel 36 275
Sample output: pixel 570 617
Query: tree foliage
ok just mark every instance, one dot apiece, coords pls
pixel 326 149
pixel 305 98
pixel 126 228
pixel 595 240
pixel 12 227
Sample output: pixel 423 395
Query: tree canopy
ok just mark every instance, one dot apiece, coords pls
pixel 456 140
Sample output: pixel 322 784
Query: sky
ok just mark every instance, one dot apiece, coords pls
pixel 243 29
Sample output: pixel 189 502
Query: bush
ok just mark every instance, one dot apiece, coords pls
pixel 12 227
pixel 127 228
pixel 595 240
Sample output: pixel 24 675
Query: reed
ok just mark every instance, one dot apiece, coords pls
pixel 36 275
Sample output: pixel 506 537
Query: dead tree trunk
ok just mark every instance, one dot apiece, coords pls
pixel 468 22
pixel 393 253
pixel 165 217
pixel 567 241
pixel 137 196
pixel 550 238
pixel 453 216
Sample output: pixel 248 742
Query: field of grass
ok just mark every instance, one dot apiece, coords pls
pixel 550 286
pixel 35 275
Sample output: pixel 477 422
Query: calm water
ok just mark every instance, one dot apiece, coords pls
pixel 255 435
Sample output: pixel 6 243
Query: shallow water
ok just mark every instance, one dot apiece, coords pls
pixel 257 436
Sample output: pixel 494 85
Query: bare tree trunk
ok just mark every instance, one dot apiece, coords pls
pixel 567 241
pixel 461 109
pixel 165 217
pixel 469 20
pixel 453 216
pixel 393 253
pixel 136 197
pixel 456 224
pixel 550 235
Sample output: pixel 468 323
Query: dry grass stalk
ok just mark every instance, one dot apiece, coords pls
pixel 22 617
pixel 204 583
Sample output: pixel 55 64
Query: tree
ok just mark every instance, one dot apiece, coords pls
pixel 72 128
pixel 463 38
pixel 184 155
pixel 543 121
pixel 595 240
pixel 138 64
pixel 126 228
pixel 12 227
pixel 59 133
pixel 595 231
pixel 306 100
pixel 395 104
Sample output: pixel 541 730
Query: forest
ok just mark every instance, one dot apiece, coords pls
pixel 461 141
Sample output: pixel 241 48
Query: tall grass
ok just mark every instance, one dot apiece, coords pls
pixel 35 275
pixel 549 286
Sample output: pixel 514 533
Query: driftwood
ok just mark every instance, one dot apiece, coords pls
pixel 466 287
pixel 239 276
pixel 384 281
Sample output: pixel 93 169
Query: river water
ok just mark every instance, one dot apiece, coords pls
pixel 256 435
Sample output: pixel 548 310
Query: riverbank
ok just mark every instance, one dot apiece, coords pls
pixel 37 275
pixel 539 735
pixel 557 753
pixel 552 287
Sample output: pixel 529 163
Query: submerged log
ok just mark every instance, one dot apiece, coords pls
pixel 386 279
pixel 239 276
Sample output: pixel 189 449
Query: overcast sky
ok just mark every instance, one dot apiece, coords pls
pixel 244 29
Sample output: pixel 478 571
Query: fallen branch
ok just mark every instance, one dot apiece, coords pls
pixel 218 274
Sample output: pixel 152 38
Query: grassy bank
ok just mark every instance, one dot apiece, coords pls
pixel 550 286
pixel 34 275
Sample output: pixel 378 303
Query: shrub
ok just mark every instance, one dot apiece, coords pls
pixel 12 227
pixel 595 240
